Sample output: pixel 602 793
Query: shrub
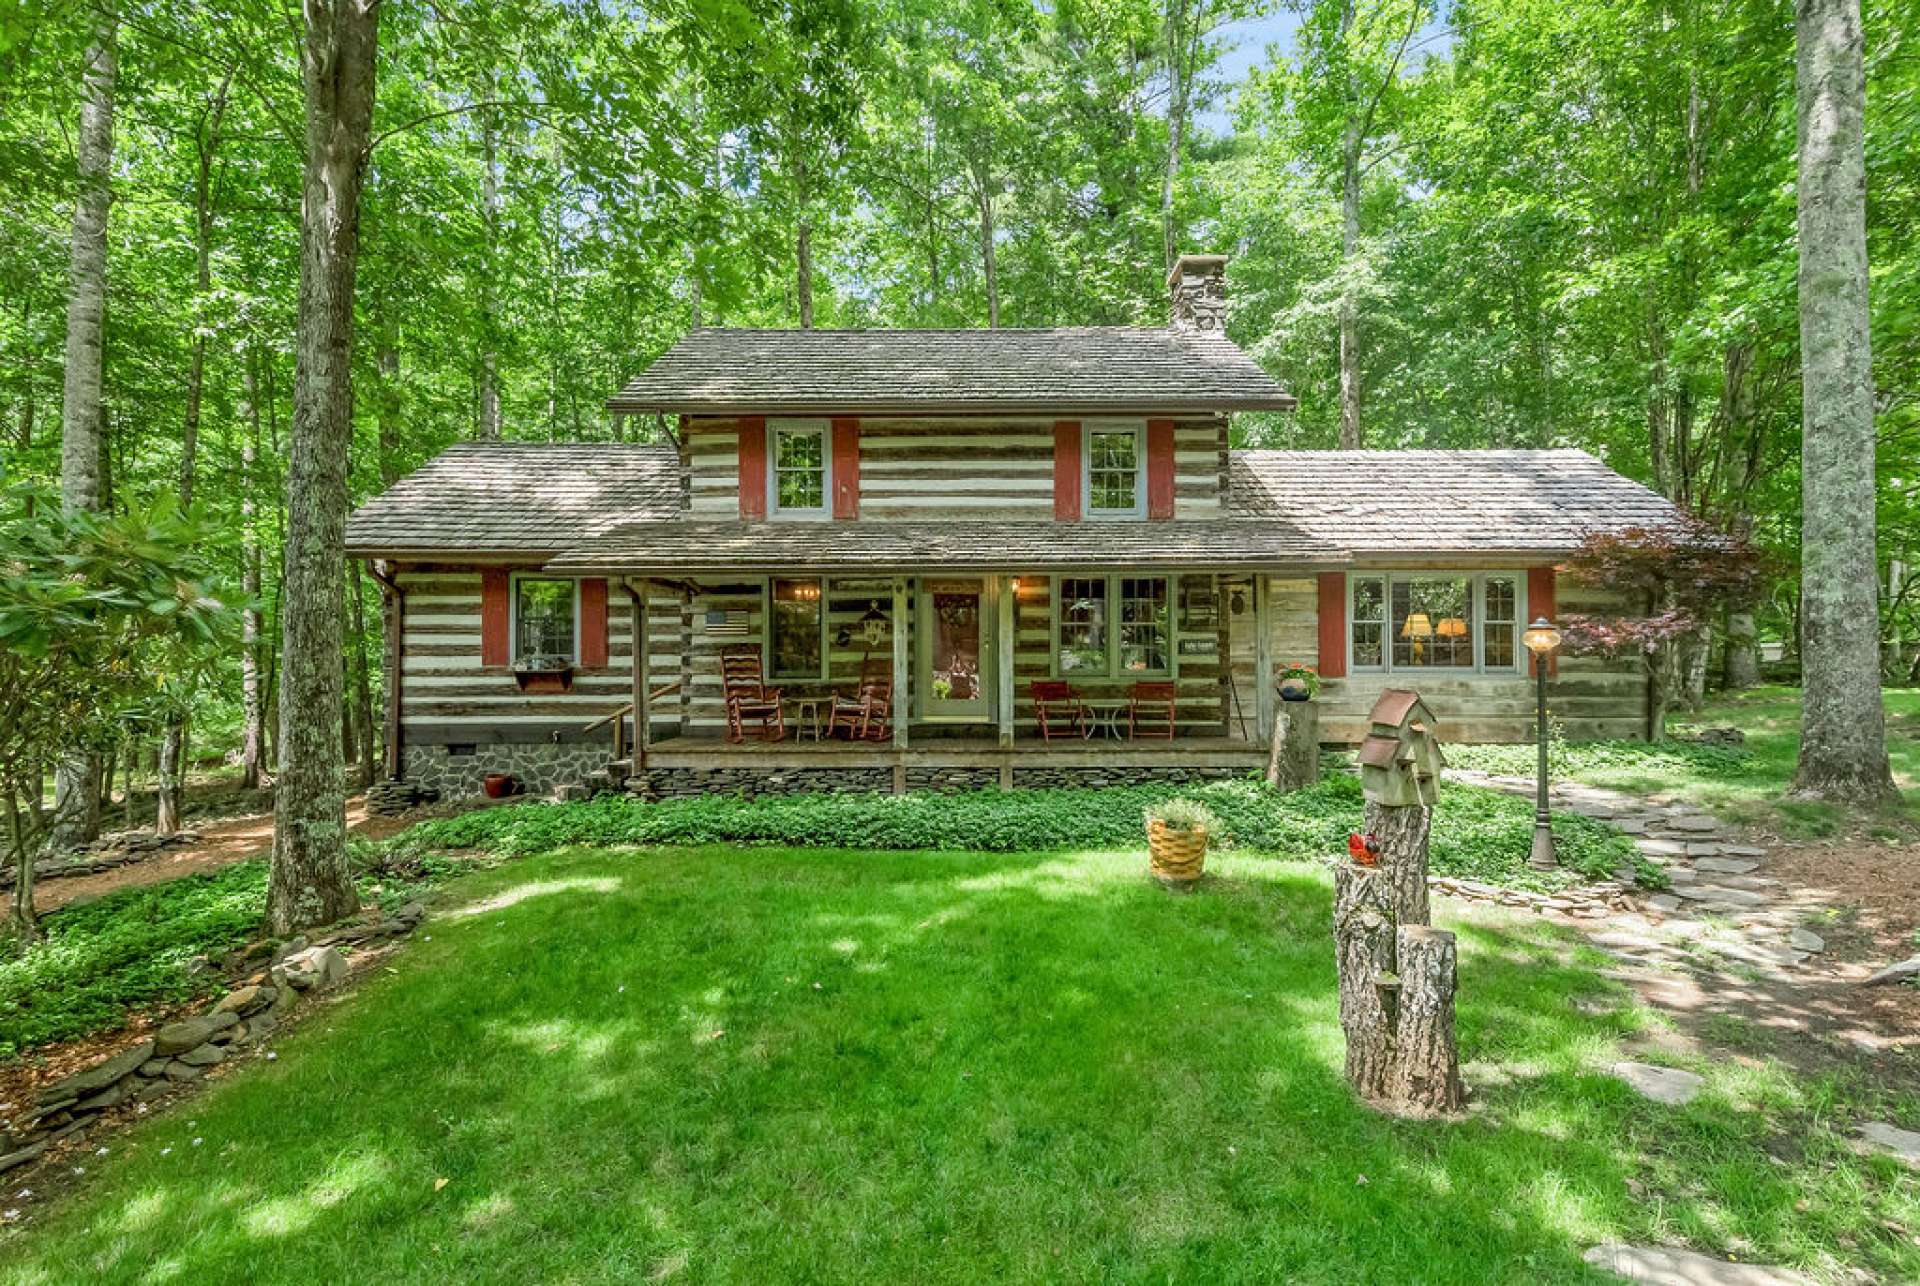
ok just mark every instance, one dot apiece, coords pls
pixel 1182 814
pixel 1477 833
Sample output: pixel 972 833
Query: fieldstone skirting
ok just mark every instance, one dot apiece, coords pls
pixel 538 766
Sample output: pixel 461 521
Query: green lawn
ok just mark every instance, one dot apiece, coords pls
pixel 769 1065
pixel 1744 784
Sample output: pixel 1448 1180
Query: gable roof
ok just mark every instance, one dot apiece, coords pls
pixel 518 498
pixel 1418 502
pixel 1051 371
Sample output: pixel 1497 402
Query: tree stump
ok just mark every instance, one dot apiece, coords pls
pixel 1402 836
pixel 1293 760
pixel 1425 1073
pixel 1363 932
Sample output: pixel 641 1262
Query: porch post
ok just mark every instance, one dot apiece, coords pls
pixel 1262 658
pixel 1003 653
pixel 642 678
pixel 902 695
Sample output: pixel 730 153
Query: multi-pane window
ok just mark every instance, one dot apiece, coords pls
pixel 1113 626
pixel 1113 471
pixel 1501 611
pixel 1082 613
pixel 1434 621
pixel 796 636
pixel 543 618
pixel 799 470
pixel 1143 625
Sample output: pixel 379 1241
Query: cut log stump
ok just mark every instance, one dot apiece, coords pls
pixel 1425 1076
pixel 1402 837
pixel 1293 760
pixel 1363 931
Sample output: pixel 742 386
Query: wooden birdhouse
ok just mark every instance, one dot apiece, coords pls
pixel 1400 759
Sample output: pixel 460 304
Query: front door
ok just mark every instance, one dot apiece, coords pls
pixel 954 651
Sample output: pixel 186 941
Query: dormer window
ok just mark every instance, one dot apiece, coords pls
pixel 798 469
pixel 1115 472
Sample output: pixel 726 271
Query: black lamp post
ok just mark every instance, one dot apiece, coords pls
pixel 1541 639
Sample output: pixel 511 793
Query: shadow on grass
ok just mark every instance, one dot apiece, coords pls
pixel 755 1065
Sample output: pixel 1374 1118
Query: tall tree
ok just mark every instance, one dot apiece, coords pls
pixel 310 882
pixel 82 456
pixel 1843 748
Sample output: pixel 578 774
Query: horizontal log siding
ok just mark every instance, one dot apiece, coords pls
pixel 446 689
pixel 927 469
pixel 1592 697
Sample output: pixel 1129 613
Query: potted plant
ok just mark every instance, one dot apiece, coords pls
pixel 1299 683
pixel 543 672
pixel 1177 831
pixel 499 785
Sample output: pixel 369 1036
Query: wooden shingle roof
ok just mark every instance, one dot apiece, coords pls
pixel 1055 371
pixel 1423 502
pixel 693 547
pixel 486 498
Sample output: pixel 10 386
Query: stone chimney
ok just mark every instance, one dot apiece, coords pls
pixel 1199 286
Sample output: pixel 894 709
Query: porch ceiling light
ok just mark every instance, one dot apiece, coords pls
pixel 1541 637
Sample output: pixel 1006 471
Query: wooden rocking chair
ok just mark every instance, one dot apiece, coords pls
pixel 749 700
pixel 1057 709
pixel 866 715
pixel 1155 704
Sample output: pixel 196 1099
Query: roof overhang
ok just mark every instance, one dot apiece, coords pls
pixel 908 407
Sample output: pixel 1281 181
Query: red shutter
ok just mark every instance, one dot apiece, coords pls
pixel 753 467
pixel 1066 471
pixel 1333 625
pixel 1540 589
pixel 494 588
pixel 846 468
pixel 593 624
pixel 1159 468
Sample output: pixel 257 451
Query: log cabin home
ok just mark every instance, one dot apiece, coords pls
pixel 966 558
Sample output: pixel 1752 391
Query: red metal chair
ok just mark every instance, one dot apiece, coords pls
pixel 867 714
pixel 748 698
pixel 1155 703
pixel 1057 708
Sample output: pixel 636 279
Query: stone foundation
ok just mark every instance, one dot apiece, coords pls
pixel 682 783
pixel 1040 776
pixel 538 766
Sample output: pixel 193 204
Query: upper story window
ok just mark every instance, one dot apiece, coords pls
pixel 1435 621
pixel 545 618
pixel 798 469
pixel 1115 472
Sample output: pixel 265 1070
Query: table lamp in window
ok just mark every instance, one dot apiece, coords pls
pixel 1452 629
pixel 1418 628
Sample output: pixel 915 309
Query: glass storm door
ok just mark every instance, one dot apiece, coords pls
pixel 953 650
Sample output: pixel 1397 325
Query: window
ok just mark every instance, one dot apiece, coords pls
pixel 1114 485
pixel 1091 644
pixel 1435 621
pixel 543 618
pixel 797 469
pixel 1081 608
pixel 1143 625
pixel 797 630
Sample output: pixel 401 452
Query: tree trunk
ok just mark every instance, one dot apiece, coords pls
pixel 1350 144
pixel 1363 933
pixel 983 192
pixel 803 272
pixel 1426 1060
pixel 167 786
pixel 1843 750
pixel 253 729
pixel 25 922
pixel 82 481
pixel 1742 667
pixel 489 308
pixel 1401 833
pixel 310 882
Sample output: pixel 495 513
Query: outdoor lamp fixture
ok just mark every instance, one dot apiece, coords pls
pixel 1541 638
pixel 873 625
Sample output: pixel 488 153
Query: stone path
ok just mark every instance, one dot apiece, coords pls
pixel 1672 1266
pixel 1722 913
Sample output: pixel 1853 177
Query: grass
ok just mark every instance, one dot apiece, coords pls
pixel 1745 784
pixel 728 1064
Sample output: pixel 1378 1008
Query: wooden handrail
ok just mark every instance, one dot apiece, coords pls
pixel 665 689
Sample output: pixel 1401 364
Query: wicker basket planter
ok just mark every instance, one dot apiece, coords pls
pixel 1178 857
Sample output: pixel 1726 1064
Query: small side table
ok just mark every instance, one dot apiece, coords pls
pixel 805 712
pixel 1104 718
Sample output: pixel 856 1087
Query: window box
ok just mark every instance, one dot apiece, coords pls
pixel 543 673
